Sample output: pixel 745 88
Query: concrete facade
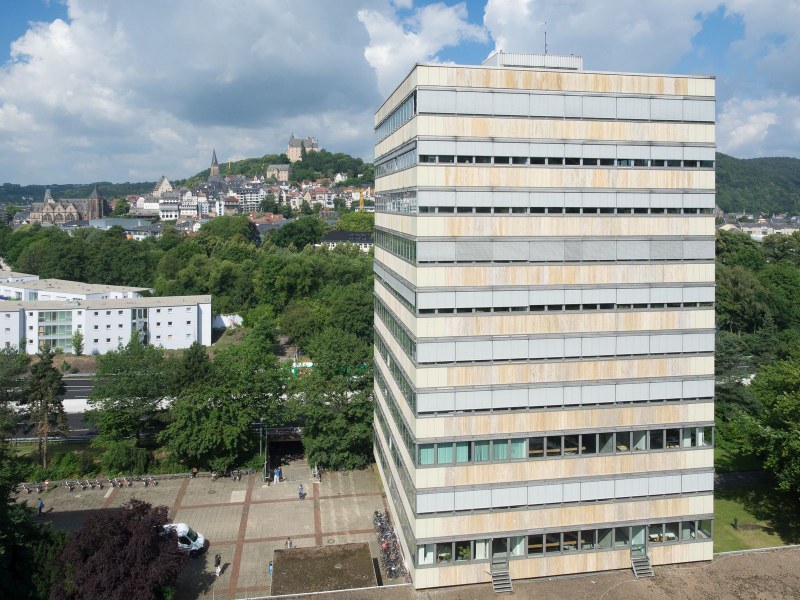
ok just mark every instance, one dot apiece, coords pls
pixel 544 265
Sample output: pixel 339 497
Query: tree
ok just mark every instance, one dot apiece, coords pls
pixel 356 221
pixel 13 368
pixel 129 385
pixel 28 548
pixel 740 300
pixel 773 431
pixel 226 228
pixel 122 207
pixel 43 408
pixel 192 368
pixel 303 231
pixel 336 401
pixel 121 555
pixel 77 342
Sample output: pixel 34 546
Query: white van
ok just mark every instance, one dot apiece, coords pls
pixel 188 539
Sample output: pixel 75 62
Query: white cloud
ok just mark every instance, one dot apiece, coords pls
pixel 759 127
pixel 626 35
pixel 129 90
pixel 397 45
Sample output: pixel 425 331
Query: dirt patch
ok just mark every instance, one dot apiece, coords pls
pixel 322 568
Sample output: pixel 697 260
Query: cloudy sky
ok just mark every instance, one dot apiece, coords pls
pixel 127 91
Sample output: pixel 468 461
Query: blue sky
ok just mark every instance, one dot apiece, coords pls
pixel 127 91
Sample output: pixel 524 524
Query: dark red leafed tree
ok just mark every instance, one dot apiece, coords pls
pixel 121 555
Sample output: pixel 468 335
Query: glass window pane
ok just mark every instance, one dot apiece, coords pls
pixel 552 543
pixel 671 532
pixel 704 529
pixel 481 549
pixel 570 542
pixel 500 449
pixel 463 551
pixel 518 545
pixel 426 454
pixel 462 452
pixel 689 437
pixel 606 443
pixel 536 447
pixel 673 438
pixel 656 439
pixel 425 554
pixel 705 436
pixel 444 454
pixel 655 533
pixel 444 552
pixel 623 441
pixel 604 538
pixel 587 539
pixel 688 530
pixel 571 445
pixel 535 545
pixel 639 441
pixel 622 536
pixel 553 445
pixel 589 443
pixel 481 451
pixel 517 449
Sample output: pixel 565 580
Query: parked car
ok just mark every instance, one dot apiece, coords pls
pixel 188 539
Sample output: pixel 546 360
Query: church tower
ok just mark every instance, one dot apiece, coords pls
pixel 214 174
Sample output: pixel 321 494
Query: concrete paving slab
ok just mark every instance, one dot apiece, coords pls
pixel 203 490
pixel 217 523
pixel 351 513
pixel 280 519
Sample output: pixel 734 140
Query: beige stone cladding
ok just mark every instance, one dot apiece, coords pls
pixel 545 285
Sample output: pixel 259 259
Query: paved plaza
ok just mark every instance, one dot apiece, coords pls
pixel 244 521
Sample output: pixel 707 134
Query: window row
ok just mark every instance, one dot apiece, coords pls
pixel 407 343
pixel 550 308
pixel 565 542
pixel 551 161
pixel 396 163
pixel 398 375
pixel 379 277
pixel 55 316
pixel 405 433
pixel 564 446
pixel 554 210
pixel 396 119
pixel 400 465
pixel 397 245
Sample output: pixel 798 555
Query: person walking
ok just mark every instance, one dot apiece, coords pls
pixel 301 492
pixel 289 543
pixel 39 506
pixel 218 564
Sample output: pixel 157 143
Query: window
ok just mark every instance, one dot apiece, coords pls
pixel 444 553
pixel 704 529
pixel 500 450
pixel 671 532
pixel 517 449
pixel 158 337
pixel 587 539
pixel 655 533
pixel 604 538
pixel 589 443
pixel 623 441
pixel 622 536
pixel 158 323
pixel 108 340
pixel 552 543
pixel 108 326
pixel 96 340
pixel 188 322
pixel 463 454
pixel 425 554
pixel 606 443
pixel 463 551
pixel 169 310
pixel 119 312
pixel 108 312
pixel 639 441
pixel 120 326
pixel 571 445
pixel 553 446
pixel 481 451
pixel 535 545
pixel 169 338
pixel 188 309
pixel 444 454
pixel 536 447
pixel 688 530
pixel 481 549
pixel 517 545
pixel 425 452
pixel 656 439
pixel 8 329
pixel 570 541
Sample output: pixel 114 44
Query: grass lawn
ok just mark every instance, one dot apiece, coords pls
pixel 766 518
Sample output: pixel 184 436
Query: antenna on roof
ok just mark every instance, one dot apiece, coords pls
pixel 545 35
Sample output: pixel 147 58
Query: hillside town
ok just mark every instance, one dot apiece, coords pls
pixel 269 200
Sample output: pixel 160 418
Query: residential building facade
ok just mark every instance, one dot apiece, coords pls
pixel 544 318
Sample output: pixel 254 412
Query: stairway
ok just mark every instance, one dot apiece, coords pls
pixel 501 582
pixel 641 566
pixel 501 578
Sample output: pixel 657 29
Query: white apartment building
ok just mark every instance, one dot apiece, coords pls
pixel 544 318
pixel 13 287
pixel 171 322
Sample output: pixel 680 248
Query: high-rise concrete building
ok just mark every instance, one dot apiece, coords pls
pixel 544 318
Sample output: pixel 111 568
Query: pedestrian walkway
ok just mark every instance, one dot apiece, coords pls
pixel 244 521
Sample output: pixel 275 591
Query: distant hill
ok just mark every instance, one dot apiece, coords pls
pixel 25 194
pixel 769 185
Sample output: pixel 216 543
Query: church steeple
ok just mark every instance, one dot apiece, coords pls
pixel 214 172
